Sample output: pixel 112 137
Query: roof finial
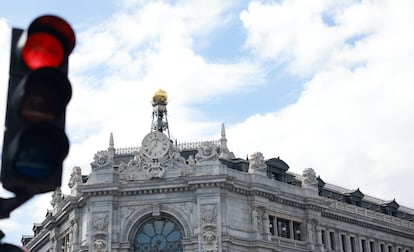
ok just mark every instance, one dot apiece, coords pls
pixel 223 131
pixel 111 142
pixel 224 150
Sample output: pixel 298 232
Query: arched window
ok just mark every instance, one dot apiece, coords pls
pixel 159 235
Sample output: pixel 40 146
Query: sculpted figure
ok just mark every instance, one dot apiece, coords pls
pixel 177 156
pixel 191 161
pixel 207 151
pixel 309 177
pixel 257 162
pixel 75 177
pixel 57 197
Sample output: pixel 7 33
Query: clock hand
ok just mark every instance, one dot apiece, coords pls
pixel 152 145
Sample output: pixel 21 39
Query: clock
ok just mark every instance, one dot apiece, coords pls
pixel 155 145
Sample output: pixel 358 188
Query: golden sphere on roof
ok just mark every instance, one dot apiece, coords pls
pixel 160 96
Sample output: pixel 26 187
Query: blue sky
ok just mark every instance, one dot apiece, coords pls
pixel 322 84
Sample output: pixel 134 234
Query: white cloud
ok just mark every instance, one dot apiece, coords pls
pixel 353 122
pixel 119 64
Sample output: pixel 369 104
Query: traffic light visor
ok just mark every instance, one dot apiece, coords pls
pixel 48 40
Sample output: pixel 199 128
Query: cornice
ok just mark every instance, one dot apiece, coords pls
pixel 357 222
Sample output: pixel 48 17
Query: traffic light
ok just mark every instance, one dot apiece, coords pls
pixel 35 143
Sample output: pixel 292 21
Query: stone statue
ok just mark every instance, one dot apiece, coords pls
pixel 257 163
pixel 309 177
pixel 177 156
pixel 135 163
pixel 207 151
pixel 57 197
pixel 75 177
pixel 191 161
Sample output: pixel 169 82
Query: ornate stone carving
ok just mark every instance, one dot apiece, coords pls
pixel 131 170
pixel 99 245
pixel 257 217
pixel 309 177
pixel 257 163
pixel 102 159
pixel 207 151
pixel 75 177
pixel 191 161
pixel 176 156
pixel 75 234
pixel 312 232
pixel 55 246
pixel 100 223
pixel 155 168
pixel 57 197
pixel 209 220
pixel 209 214
pixel 135 163
pixel 209 236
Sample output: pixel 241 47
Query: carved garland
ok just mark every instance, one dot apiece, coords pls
pixel 209 224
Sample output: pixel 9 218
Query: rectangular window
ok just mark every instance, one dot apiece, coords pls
pixel 283 228
pixel 363 245
pixel 389 248
pixel 65 242
pixel 352 244
pixel 332 240
pixel 372 246
pixel 343 241
pixel 297 235
pixel 323 238
pixel 382 247
pixel 271 224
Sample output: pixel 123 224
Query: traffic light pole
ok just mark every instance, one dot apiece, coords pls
pixel 8 205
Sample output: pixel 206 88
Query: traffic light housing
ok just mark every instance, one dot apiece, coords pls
pixel 35 143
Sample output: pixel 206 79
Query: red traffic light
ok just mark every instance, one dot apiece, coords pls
pixel 47 42
pixel 42 49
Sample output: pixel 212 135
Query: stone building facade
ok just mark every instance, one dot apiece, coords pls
pixel 164 196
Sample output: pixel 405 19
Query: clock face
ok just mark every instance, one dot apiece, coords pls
pixel 155 145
